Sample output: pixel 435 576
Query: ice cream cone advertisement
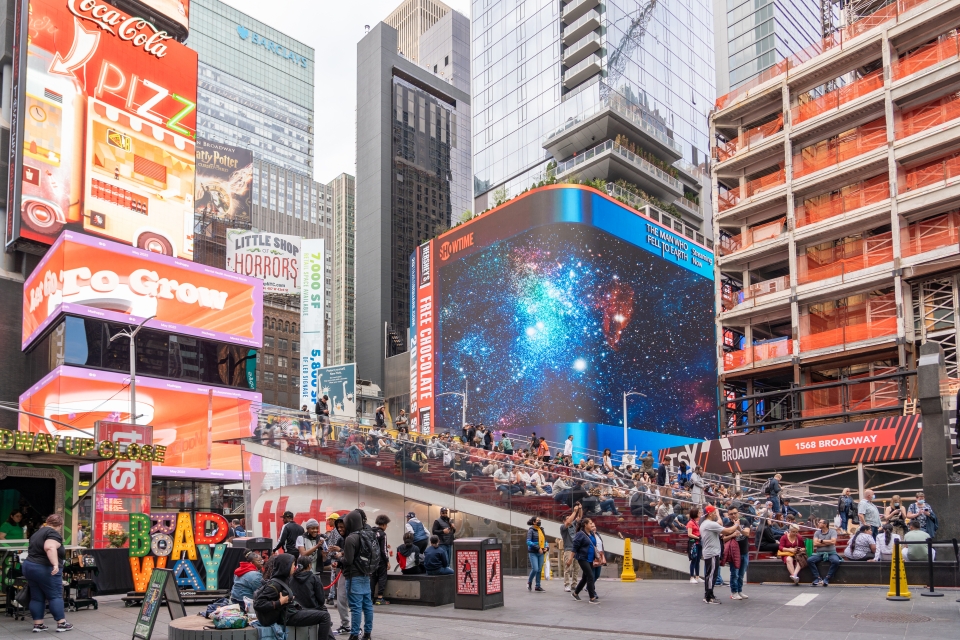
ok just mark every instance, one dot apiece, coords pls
pixel 105 139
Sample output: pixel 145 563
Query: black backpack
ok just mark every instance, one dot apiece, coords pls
pixel 272 616
pixel 767 486
pixel 367 559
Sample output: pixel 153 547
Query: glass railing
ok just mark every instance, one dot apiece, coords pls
pixel 573 50
pixel 620 501
pixel 581 66
pixel 582 20
pixel 576 6
pixel 620 105
pixel 611 146
pixel 690 205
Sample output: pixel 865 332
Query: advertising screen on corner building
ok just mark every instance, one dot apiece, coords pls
pixel 551 307
pixel 104 141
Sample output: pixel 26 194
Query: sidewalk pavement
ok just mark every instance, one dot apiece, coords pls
pixel 648 610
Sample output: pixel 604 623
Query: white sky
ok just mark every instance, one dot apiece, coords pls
pixel 333 30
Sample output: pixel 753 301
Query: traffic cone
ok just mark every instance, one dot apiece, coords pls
pixel 898 578
pixel 628 574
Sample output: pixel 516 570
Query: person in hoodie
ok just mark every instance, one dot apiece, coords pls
pixel 306 586
pixel 276 602
pixel 247 578
pixel 409 556
pixel 357 582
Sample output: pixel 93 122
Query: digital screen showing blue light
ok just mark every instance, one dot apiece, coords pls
pixel 552 324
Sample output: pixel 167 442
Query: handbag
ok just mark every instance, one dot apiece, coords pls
pixel 23 596
pixel 785 554
pixel 599 559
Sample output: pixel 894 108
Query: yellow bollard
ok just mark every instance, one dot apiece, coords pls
pixel 898 577
pixel 628 574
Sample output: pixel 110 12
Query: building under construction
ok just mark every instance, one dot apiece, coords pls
pixel 835 184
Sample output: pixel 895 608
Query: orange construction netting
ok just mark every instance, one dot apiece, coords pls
pixel 946 47
pixel 840 148
pixel 847 257
pixel 838 39
pixel 860 397
pixel 848 198
pixel 837 98
pixel 757 353
pixel 731 198
pixel 929 174
pixel 765 287
pixel 747 138
pixel 933 233
pixel 928 116
pixel 843 325
pixel 756 234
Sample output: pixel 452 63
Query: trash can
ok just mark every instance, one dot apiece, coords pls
pixel 477 569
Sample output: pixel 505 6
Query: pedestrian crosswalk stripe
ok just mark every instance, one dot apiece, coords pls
pixel 802 600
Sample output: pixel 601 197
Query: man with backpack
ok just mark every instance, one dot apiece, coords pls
pixel 361 559
pixel 275 603
pixel 378 580
pixel 420 535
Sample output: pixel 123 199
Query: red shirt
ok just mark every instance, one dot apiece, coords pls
pixel 693 528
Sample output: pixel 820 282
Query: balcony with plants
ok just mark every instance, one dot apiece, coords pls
pixel 622 159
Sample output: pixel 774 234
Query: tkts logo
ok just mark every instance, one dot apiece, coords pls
pixel 450 247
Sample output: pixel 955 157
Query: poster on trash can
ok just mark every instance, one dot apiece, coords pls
pixel 494 580
pixel 467 572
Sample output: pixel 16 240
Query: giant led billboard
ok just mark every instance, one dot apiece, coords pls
pixel 547 309
pixel 103 138
pixel 86 276
pixel 192 421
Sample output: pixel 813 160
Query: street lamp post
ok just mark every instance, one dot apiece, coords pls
pixel 463 398
pixel 132 335
pixel 625 394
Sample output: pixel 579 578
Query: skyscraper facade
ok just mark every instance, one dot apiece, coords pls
pixel 540 66
pixel 255 86
pixel 342 321
pixel 410 124
pixel 411 19
pixel 753 35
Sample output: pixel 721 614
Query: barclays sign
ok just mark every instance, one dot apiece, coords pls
pixel 270 45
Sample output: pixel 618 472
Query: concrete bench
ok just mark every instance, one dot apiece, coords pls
pixel 421 589
pixel 199 628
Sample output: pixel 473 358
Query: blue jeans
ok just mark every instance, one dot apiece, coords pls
pixel 608 505
pixel 44 588
pixel 446 571
pixel 736 575
pixel 361 602
pixel 832 558
pixel 536 565
pixel 449 549
pixel 776 504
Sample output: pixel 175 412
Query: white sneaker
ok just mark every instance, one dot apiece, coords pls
pixel 699 579
pixel 693 581
pixel 743 596
pixel 567 589
pixel 736 596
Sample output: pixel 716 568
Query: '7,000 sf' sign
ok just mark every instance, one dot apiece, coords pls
pixel 104 138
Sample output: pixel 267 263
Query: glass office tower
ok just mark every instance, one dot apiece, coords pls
pixel 538 64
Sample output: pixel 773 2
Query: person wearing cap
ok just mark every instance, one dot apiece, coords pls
pixel 420 536
pixel 238 530
pixel 711 530
pixel 288 535
pixel 443 528
pixel 311 545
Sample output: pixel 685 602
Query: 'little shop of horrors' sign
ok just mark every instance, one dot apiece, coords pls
pixel 159 538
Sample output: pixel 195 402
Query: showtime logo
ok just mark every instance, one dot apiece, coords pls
pixel 450 247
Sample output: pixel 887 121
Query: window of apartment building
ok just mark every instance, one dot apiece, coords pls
pixel 281 379
pixel 283 344
pixel 268 359
pixel 294 381
pixel 282 361
pixel 268 377
pixel 267 342
pixel 296 346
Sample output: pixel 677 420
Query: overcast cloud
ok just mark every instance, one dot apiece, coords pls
pixel 333 30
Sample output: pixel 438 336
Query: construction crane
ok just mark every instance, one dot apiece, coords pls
pixel 617 59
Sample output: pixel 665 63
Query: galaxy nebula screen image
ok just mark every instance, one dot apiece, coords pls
pixel 552 321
